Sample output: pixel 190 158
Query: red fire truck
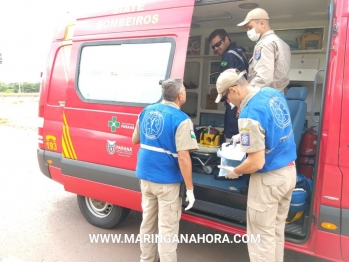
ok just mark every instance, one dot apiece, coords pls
pixel 105 67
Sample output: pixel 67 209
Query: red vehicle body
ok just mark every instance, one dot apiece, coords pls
pixel 86 126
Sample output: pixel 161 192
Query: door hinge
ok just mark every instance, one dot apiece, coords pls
pixel 314 219
pixel 335 29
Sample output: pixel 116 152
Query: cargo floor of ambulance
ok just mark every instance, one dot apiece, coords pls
pixel 222 201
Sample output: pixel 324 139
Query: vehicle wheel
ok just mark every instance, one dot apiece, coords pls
pixel 101 214
pixel 207 169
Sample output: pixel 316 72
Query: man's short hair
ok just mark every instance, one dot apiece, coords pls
pixel 171 88
pixel 218 32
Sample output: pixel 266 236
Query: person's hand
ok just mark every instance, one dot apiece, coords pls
pixel 235 139
pixel 229 172
pixel 190 198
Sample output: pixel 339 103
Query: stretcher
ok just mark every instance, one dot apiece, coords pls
pixel 205 159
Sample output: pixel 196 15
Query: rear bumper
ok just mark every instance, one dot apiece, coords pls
pixel 42 164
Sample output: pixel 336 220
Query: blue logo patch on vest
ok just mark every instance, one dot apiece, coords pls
pixel 257 54
pixel 245 139
pixel 153 124
pixel 280 111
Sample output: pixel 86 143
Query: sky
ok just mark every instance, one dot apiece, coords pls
pixel 27 28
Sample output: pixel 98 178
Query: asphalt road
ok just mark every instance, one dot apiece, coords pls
pixel 39 221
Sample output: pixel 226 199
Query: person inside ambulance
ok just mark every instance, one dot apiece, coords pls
pixel 232 57
pixel 267 137
pixel 271 59
pixel 166 136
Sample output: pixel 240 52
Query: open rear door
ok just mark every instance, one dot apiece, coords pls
pixel 344 142
pixel 331 183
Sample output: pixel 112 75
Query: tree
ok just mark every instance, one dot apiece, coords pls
pixel 26 87
pixel 30 87
pixel 3 87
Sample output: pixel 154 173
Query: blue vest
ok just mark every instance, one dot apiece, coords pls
pixel 157 157
pixel 270 109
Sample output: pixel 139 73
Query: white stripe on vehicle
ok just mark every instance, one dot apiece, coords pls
pixel 157 149
pixel 40 141
pixel 331 198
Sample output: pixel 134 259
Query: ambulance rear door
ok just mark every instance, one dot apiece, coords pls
pixel 330 204
pixel 344 141
pixel 120 56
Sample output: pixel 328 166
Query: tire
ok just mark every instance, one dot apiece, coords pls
pixel 101 214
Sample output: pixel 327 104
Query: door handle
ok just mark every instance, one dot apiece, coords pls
pixel 61 103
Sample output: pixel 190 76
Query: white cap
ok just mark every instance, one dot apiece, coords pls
pixel 227 79
pixel 257 13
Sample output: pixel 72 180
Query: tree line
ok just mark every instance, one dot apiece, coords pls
pixel 26 87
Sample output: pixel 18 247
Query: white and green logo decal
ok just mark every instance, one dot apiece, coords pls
pixel 113 124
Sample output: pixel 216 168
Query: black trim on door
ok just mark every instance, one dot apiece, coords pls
pixel 102 174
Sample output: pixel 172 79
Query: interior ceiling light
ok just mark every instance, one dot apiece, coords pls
pixel 212 18
pixel 248 6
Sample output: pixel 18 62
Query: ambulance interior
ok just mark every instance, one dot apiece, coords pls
pixel 292 21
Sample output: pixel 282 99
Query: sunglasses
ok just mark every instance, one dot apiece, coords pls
pixel 225 97
pixel 218 44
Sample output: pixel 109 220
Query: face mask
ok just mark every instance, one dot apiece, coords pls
pixel 253 35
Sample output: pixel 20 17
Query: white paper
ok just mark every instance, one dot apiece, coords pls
pixel 230 156
pixel 231 152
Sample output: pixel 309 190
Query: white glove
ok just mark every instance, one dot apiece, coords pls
pixel 235 139
pixel 190 198
pixel 229 172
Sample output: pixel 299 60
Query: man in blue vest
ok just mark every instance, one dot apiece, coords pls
pixel 232 57
pixel 267 137
pixel 166 136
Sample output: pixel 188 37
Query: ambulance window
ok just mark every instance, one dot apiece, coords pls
pixel 127 72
